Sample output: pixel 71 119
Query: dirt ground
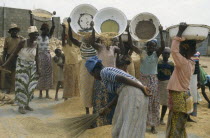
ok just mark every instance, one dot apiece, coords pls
pixel 48 120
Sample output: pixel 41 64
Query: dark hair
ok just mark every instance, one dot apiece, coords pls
pixel 187 46
pixel 18 30
pixel 44 25
pixel 56 50
pixel 121 61
pixel 149 42
pixel 98 66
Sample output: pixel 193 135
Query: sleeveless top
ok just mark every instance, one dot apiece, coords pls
pixel 148 64
pixel 87 52
pixel 28 53
pixel 43 44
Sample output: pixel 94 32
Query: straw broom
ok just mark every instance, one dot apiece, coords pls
pixel 76 126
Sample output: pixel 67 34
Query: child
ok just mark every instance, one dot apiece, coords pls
pixel 59 59
pixel 165 69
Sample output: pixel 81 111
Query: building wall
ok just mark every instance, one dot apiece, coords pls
pixel 21 17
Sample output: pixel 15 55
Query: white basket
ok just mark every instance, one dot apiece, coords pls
pixel 110 13
pixel 145 16
pixel 193 31
pixel 81 17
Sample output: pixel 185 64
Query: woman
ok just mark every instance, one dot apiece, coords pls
pixel 72 64
pixel 45 81
pixel 131 97
pixel 179 83
pixel 86 80
pixel 101 97
pixel 148 76
pixel 26 68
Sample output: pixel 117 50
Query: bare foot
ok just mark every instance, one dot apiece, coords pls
pixel 28 108
pixel 21 110
pixel 40 96
pixel 56 98
pixel 48 97
pixel 153 130
pixel 162 122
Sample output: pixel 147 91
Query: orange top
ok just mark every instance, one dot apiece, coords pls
pixel 184 69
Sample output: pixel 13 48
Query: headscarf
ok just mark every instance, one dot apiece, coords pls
pixel 196 56
pixel 154 41
pixel 167 49
pixel 91 63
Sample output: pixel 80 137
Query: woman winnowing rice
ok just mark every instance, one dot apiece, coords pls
pixel 26 70
pixel 131 99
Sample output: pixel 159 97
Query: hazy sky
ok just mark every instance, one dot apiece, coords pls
pixel 169 12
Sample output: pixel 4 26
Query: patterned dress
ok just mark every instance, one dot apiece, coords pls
pixel 101 97
pixel 45 81
pixel 26 77
pixel 148 77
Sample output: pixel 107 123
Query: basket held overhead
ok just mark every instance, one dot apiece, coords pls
pixel 81 17
pixel 197 32
pixel 144 27
pixel 42 15
pixel 110 20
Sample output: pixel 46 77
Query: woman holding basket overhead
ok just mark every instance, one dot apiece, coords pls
pixel 181 50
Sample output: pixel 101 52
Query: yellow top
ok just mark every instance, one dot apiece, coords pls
pixel 72 54
pixel 11 43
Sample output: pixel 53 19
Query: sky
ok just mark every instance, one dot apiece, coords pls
pixel 169 12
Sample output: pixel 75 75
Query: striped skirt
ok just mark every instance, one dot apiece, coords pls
pixel 25 82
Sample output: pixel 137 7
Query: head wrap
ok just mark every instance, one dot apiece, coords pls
pixel 32 29
pixel 91 63
pixel 167 49
pixel 154 41
pixel 196 56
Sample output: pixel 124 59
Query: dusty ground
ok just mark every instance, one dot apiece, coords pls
pixel 48 119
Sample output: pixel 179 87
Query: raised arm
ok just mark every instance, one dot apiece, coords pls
pixel 121 46
pixel 161 49
pixel 179 60
pixel 63 35
pixel 132 46
pixel 52 28
pixel 72 39
pixel 93 38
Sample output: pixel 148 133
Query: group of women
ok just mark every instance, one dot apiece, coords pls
pixel 122 100
pixel 33 66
